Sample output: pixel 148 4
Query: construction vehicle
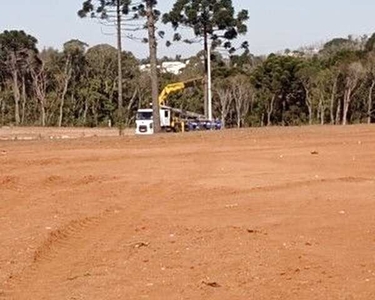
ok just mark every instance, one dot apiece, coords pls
pixel 173 119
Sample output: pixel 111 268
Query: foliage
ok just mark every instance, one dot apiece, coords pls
pixel 77 86
pixel 209 18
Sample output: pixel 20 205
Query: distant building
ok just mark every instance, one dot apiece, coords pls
pixel 302 52
pixel 173 67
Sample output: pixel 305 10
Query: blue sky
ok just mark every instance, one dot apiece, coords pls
pixel 274 25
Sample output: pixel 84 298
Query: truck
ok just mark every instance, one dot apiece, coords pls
pixel 173 119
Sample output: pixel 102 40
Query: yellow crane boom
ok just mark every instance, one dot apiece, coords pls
pixel 175 87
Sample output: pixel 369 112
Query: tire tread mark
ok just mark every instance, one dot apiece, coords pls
pixel 59 239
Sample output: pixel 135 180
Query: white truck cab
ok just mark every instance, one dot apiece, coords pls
pixel 145 123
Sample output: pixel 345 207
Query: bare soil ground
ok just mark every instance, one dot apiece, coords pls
pixel 253 214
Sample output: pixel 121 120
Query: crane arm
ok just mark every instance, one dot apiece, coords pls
pixel 170 88
pixel 173 88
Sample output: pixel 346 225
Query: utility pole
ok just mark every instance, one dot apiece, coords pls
pixel 119 62
pixel 209 85
pixel 205 45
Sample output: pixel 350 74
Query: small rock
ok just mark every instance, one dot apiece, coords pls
pixel 211 284
pixel 72 278
pixel 314 152
pixel 141 244
pixel 342 212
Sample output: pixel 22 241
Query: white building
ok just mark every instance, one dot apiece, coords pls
pixel 173 67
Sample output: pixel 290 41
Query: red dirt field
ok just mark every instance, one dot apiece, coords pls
pixel 280 213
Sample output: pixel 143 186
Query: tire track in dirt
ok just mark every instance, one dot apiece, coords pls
pixel 59 240
pixel 301 183
pixel 229 190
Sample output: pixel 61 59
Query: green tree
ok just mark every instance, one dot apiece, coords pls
pixel 352 73
pixel 337 45
pixel 98 91
pixel 16 49
pixel 103 10
pixel 128 14
pixel 39 86
pixel 242 94
pixel 276 81
pixel 370 45
pixel 370 69
pixel 324 93
pixel 223 95
pixel 308 75
pixel 73 61
pixel 214 20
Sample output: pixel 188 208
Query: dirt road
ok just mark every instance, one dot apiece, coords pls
pixel 254 214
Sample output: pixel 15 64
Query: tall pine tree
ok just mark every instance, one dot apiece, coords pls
pixel 214 20
pixel 121 13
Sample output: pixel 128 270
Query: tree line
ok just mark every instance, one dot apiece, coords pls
pixel 80 86
pixel 334 85
pixel 331 85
